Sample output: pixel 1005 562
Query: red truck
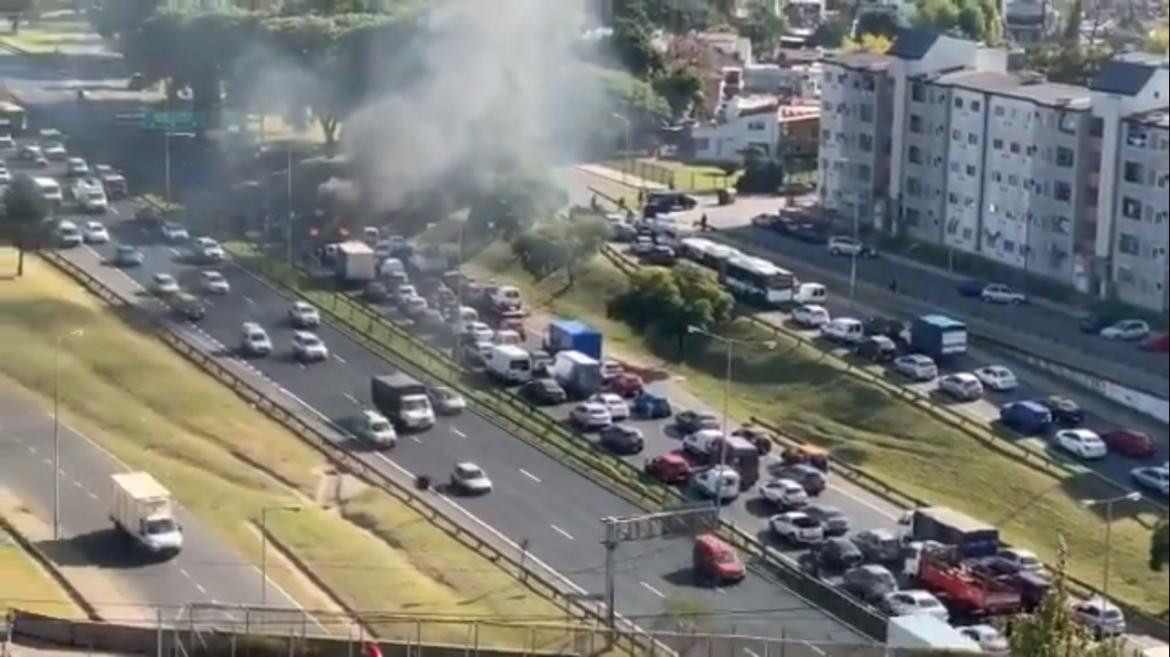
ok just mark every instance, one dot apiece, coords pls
pixel 967 587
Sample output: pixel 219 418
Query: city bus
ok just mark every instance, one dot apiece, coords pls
pixel 758 281
pixel 13 120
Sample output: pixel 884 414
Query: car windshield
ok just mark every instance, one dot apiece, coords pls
pixel 471 472
pixel 96 195
pixel 379 426
pixel 310 341
pixel 257 336
pixel 804 522
pixel 159 526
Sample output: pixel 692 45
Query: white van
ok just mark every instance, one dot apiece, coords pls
pixel 813 293
pixel 68 235
pixel 509 363
pixel 577 373
pixel 845 330
pixel 50 190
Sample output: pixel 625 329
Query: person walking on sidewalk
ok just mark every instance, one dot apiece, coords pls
pixel 894 285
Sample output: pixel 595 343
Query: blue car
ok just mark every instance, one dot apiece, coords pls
pixel 972 288
pixel 1026 417
pixel 650 405
pixel 128 256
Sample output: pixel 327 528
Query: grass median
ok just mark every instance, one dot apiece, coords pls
pixel 807 394
pixel 26 586
pixel 224 461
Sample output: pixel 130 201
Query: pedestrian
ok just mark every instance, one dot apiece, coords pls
pixel 703 223
pixel 894 285
pixel 622 203
pixel 593 202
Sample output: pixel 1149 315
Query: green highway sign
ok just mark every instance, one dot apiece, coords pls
pixel 183 120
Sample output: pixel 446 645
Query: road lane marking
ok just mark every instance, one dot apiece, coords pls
pixel 339 359
pixel 751 653
pixel 31 449
pixel 562 532
pixel 652 590
pixel 813 648
pixel 92 496
pixel 199 587
pixel 720 591
pixel 249 301
pixel 529 475
pixel 458 432
pixel 78 484
pixel 352 399
pixel 184 573
pixel 175 252
pixel 47 462
pixel 416 439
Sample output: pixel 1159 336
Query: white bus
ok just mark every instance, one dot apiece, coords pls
pixel 758 281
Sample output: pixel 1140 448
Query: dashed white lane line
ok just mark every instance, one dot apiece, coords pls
pixel 458 432
pixel 199 587
pixel 31 449
pixel 352 399
pixel 47 462
pixel 562 532
pixel 92 496
pixel 339 359
pixel 416 439
pixel 529 475
pixel 184 573
pixel 249 301
pixel 78 484
pixel 175 252
pixel 814 648
pixel 652 590
pixel 751 653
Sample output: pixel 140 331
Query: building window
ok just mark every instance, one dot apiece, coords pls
pixel 865 142
pixel 1009 246
pixel 1131 208
pixel 959 103
pixel 1134 172
pixel 1062 191
pixel 912 216
pixel 864 172
pixel 1014 180
pixel 975 105
pixel 954 167
pixel 1096 127
pixel 1129 244
pixel 1064 156
pixel 972 138
pixel 913 187
pixel 914 154
pixel 992 207
pixel 915 123
pixel 1014 147
pixel 998 110
pixel 971 170
pixel 1124 275
pixel 917 92
pixel 996 176
pixel 1030 150
pixel 956 135
pixel 865 112
pixel 756 126
pixel 968 233
pixel 997 144
pixel 953 198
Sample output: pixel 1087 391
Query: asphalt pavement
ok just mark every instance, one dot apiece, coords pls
pixel 204 571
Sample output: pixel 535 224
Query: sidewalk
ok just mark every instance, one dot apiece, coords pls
pixel 616 176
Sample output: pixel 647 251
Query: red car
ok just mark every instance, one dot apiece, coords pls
pixel 670 469
pixel 1158 344
pixel 1131 443
pixel 625 384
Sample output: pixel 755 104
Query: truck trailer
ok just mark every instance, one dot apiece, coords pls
pixel 355 263
pixel 143 509
pixel 972 538
pixel 938 336
pixel 917 633
pixel 403 400
pixel 966 587
pixel 572 335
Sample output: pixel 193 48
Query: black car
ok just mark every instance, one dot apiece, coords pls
pixel 1065 411
pixel 838 554
pixel 877 349
pixel 663 256
pixel 376 292
pixel 622 439
pixel 690 421
pixel 670 201
pixel 878 545
pixel 543 391
pixel 834 520
pixel 808 476
pixel 1093 324
pixel 885 326
pixel 869 582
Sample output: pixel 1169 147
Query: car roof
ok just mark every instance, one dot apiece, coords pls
pixel 304 334
pixel 468 466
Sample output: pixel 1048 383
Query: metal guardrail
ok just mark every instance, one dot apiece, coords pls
pixel 631 639
pixel 545 433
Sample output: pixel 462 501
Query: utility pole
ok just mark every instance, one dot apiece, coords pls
pixel 289 208
pixel 610 544
pixel 856 253
pixel 291 508
pixel 1109 502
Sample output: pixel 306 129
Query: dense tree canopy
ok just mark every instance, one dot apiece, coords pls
pixel 22 217
pixel 973 19
pixel 667 301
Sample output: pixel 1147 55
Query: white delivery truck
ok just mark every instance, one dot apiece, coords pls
pixel 912 634
pixel 356 263
pixel 510 363
pixel 143 508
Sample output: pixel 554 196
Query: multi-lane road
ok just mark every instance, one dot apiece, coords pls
pixel 130 587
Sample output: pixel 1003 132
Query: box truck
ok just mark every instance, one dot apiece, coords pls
pixel 571 335
pixel 972 538
pixel 355 263
pixel 920 633
pixel 577 373
pixel 938 336
pixel 143 508
pixel 404 400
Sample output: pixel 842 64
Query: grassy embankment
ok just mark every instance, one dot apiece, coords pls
pixel 27 586
pixel 225 461
pixel 797 389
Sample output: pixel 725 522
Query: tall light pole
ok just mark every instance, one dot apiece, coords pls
pixel 75 333
pixel 291 508
pixel 289 207
pixel 856 252
pixel 1132 496
pixel 730 343
pixel 167 144
pixel 629 152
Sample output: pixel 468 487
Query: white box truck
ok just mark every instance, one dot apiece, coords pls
pixel 909 635
pixel 143 508
pixel 356 263
pixel 510 363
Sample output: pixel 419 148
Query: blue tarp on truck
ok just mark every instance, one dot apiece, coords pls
pixel 938 336
pixel 572 335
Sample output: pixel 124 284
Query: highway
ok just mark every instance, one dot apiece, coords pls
pixel 536 500
pixel 205 571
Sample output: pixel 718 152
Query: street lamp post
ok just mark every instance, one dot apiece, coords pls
pixel 75 333
pixel 289 206
pixel 1132 496
pixel 629 153
pixel 730 344
pixel 291 508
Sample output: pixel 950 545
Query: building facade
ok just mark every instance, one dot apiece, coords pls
pixel 1143 199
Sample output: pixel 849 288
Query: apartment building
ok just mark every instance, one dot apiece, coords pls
pixel 1142 222
pixel 774 128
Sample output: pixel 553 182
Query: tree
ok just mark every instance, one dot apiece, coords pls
pixel 938 15
pixel 972 23
pixel 877 22
pixel 1072 28
pixel 1160 546
pixel 1051 631
pixel 682 88
pixel 763 27
pixel 831 33
pixel 560 244
pixel 633 43
pixel 1157 41
pixel 24 218
pixel 668 301
pixel 875 43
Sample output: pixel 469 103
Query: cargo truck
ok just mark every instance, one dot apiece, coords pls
pixel 938 336
pixel 571 335
pixel 917 633
pixel 966 587
pixel 355 263
pixel 142 508
pixel 403 400
pixel 973 539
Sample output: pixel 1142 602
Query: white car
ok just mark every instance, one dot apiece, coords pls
pixel 5 175
pixel 164 284
pixel 1155 479
pixel 307 346
pixel 96 233
pixel 784 493
pixel 175 232
pixel 209 249
pixel 617 407
pixel 1102 616
pixel 68 234
pixel 215 282
pixel 1020 559
pixel 848 246
pixel 54 150
pixel 997 378
pixel 7 143
pixel 414 306
pixel 255 341
pixel 797 528
pixel 304 315
pixel 700 442
pixel 375 429
pixel 918 367
pixel 1084 443
pixel 403 293
pixel 590 415
pixel 1000 293
pixel 989 639
pixel 811 315
pixel 1126 329
pixel 720 481
pixel 76 167
pixel 907 603
pixel 962 386
pixel 481 332
pixel 470 479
